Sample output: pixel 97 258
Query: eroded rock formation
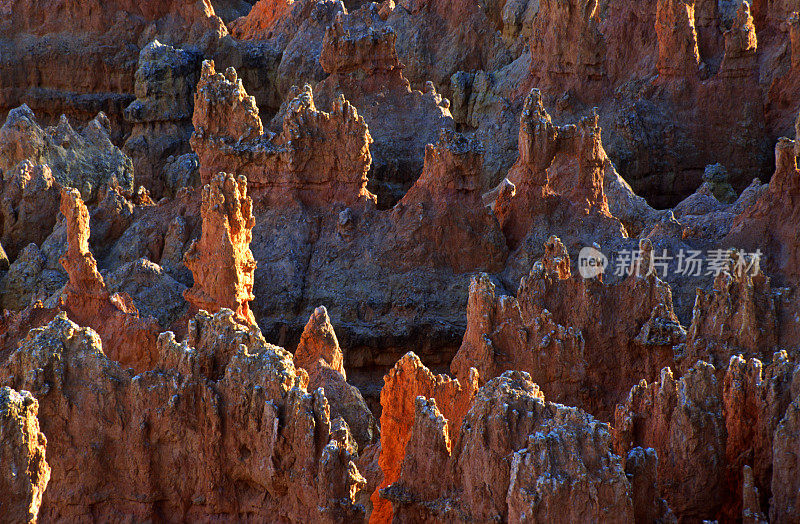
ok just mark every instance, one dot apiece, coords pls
pixel 210 444
pixel 407 380
pixel 515 457
pixel 24 473
pixel 421 184
pixel 320 355
pixel 290 167
pixel 221 260
pixel 129 339
pixel 86 160
pixel 561 329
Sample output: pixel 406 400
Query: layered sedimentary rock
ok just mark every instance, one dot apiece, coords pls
pixel 81 58
pixel 295 226
pixel 678 54
pixel 24 473
pixel 209 445
pixel 261 19
pixel 221 260
pixel 560 171
pixel 784 507
pixel 682 420
pixel 741 44
pixel 445 207
pixel 86 160
pixel 755 400
pixel 438 39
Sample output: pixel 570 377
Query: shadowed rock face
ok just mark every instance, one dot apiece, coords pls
pixel 469 220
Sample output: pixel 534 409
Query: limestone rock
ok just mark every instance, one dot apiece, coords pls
pixel 360 56
pixel 755 399
pixel 758 226
pixel 741 44
pixel 161 114
pixel 566 40
pixel 319 354
pixel 742 297
pixel 30 196
pixel 559 328
pixel 288 168
pixel 682 420
pixel 678 54
pixel 784 502
pixel 514 458
pixel 406 381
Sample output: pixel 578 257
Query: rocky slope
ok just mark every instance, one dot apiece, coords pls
pixel 406 261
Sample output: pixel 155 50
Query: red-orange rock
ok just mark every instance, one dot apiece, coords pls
pixel 767 224
pixel 738 316
pixel 784 507
pixel 407 380
pixel 566 332
pixel 250 443
pixel 129 339
pixel 289 168
pixel 755 399
pixel 24 472
pixel 444 208
pixel 260 20
pixel 516 458
pixel 559 171
pixel 741 44
pixel 678 54
pixel 682 420
pixel 221 260
pixel 360 56
pixel 320 355
pixel 566 41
